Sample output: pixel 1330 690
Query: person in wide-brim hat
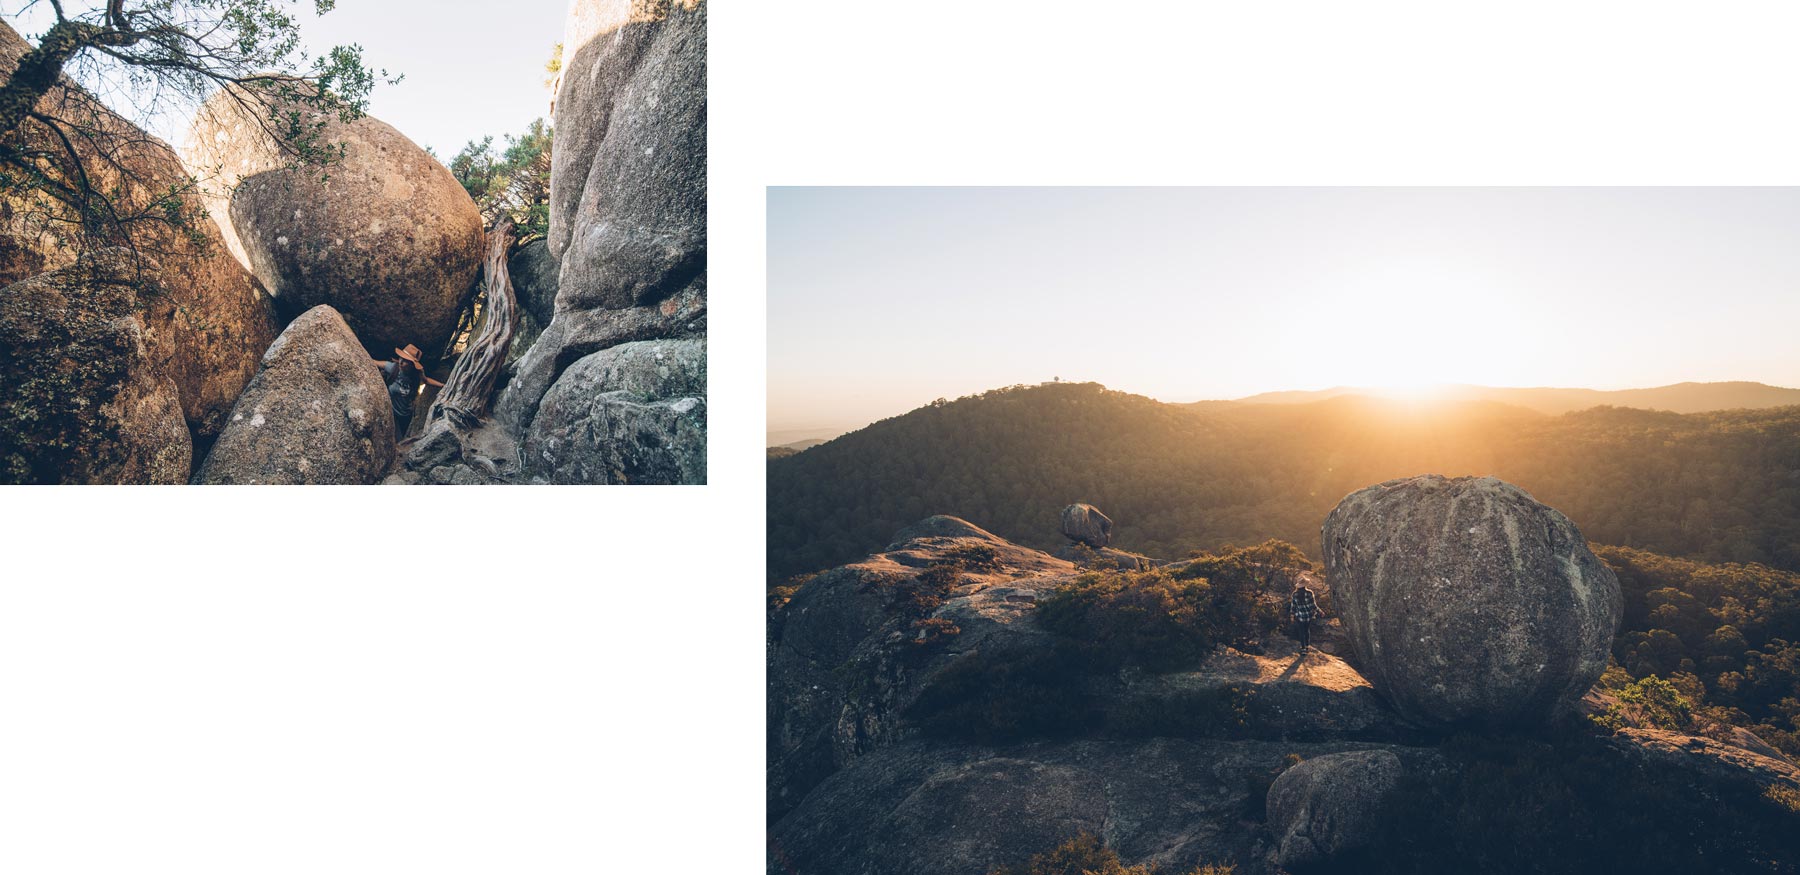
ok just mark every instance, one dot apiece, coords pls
pixel 403 384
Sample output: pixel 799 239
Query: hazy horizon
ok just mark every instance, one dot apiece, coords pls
pixel 882 299
pixel 827 431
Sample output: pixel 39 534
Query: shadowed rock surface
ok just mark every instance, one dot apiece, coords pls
pixel 922 809
pixel 627 222
pixel 534 273
pixel 82 400
pixel 1330 804
pixel 317 412
pixel 209 320
pixel 389 239
pixel 634 413
pixel 1468 602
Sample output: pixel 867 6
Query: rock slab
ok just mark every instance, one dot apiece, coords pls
pixel 83 400
pixel 1467 602
pixel 1325 806
pixel 317 412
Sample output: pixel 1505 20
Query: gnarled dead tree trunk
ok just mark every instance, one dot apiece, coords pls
pixel 469 390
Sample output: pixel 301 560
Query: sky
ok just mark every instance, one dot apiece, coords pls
pixel 882 299
pixel 472 67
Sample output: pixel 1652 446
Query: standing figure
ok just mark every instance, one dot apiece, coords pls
pixel 1305 609
pixel 403 375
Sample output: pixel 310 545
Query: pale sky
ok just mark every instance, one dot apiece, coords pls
pixel 472 67
pixel 881 299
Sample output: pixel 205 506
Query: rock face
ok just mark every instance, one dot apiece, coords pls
pixel 389 239
pixel 210 319
pixel 1085 524
pixel 317 412
pixel 534 273
pixel 1327 805
pixel 83 401
pixel 627 210
pixel 1468 602
pixel 634 413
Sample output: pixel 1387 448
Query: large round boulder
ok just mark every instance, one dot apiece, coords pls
pixel 317 412
pixel 83 401
pixel 1322 807
pixel 385 235
pixel 1467 602
pixel 1085 524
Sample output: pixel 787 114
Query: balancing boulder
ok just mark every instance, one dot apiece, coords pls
pixel 1467 602
pixel 1085 524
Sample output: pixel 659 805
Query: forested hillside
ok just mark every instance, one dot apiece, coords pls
pixel 1717 487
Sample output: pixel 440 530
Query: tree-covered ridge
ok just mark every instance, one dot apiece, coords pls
pixel 1717 487
pixel 1726 636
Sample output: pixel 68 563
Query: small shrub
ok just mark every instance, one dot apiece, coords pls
pixel 973 557
pixel 1651 703
pixel 930 632
pixel 1786 798
pixel 1144 618
pixel 922 593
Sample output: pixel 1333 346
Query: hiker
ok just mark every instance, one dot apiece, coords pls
pixel 1305 609
pixel 402 375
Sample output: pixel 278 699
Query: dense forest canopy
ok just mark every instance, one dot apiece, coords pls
pixel 1717 487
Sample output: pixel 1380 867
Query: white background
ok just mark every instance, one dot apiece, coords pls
pixel 570 679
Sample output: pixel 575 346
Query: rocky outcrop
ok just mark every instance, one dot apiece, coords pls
pixel 208 320
pixel 627 216
pixel 1328 805
pixel 317 412
pixel 386 235
pixel 1085 524
pixel 1707 759
pixel 634 413
pixel 860 650
pixel 1468 602
pixel 82 400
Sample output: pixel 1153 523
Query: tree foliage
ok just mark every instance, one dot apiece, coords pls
pixel 62 153
pixel 511 183
pixel 1725 638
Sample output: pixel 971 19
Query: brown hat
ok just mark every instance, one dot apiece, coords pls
pixel 410 353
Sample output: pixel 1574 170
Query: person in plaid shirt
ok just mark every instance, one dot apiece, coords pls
pixel 1305 609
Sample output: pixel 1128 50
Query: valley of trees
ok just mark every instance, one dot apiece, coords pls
pixel 1715 487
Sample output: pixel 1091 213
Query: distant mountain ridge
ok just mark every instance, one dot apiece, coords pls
pixel 1720 486
pixel 1676 398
